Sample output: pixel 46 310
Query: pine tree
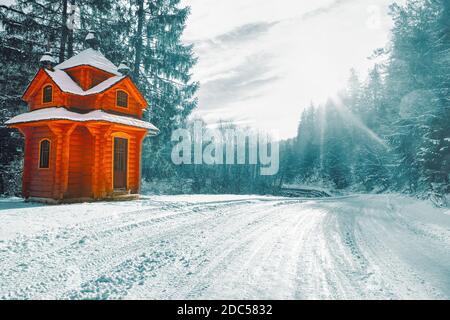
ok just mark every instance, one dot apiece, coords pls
pixel 307 144
pixel 420 44
pixel 436 145
pixel 336 163
pixel 20 50
pixel 166 79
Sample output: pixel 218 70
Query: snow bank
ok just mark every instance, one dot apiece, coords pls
pixel 16 215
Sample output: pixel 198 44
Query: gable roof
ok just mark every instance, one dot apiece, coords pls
pixel 66 83
pixel 89 57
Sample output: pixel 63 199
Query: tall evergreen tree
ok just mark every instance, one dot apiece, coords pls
pixel 166 79
pixel 21 44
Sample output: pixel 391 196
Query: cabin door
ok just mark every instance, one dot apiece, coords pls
pixel 120 163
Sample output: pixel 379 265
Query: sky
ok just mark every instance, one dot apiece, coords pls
pixel 261 62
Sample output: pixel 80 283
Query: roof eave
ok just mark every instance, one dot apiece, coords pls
pixel 150 131
pixel 31 82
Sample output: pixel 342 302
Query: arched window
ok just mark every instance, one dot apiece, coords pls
pixel 122 99
pixel 47 94
pixel 44 154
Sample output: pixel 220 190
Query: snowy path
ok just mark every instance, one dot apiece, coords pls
pixel 236 247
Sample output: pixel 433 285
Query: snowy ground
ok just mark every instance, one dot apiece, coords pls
pixel 169 247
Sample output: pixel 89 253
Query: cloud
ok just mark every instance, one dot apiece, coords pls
pixel 244 81
pixel 325 9
pixel 236 36
pixel 246 32
pixel 244 77
pixel 230 65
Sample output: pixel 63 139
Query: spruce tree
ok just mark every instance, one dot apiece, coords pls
pixel 165 78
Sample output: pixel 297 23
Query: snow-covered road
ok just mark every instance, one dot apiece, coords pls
pixel 227 247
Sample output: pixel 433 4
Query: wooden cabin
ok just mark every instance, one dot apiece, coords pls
pixel 83 131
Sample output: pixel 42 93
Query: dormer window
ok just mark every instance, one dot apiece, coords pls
pixel 122 99
pixel 47 94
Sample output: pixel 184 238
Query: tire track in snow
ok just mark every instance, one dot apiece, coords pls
pixel 231 251
pixel 95 263
pixel 364 247
pixel 380 246
pixel 268 268
pixel 224 246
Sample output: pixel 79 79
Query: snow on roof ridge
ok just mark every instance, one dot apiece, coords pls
pixel 90 35
pixel 47 57
pixel 104 85
pixel 66 83
pixel 60 113
pixel 90 57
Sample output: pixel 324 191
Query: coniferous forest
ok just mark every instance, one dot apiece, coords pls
pixel 389 131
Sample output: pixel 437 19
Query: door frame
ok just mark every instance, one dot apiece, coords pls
pixel 126 136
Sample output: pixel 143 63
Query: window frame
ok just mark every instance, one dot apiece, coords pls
pixel 128 137
pixel 43 94
pixel 118 91
pixel 40 158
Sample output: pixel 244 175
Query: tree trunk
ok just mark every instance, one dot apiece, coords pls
pixel 62 47
pixel 138 41
pixel 70 44
pixel 70 36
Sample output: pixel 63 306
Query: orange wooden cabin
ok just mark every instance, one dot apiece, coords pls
pixel 83 132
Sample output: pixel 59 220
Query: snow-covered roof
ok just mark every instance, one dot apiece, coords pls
pixel 123 68
pixel 108 83
pixel 66 83
pixel 64 114
pixel 92 58
pixel 90 36
pixel 47 57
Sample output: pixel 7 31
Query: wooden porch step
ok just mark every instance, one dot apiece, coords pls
pixel 119 192
pixel 123 197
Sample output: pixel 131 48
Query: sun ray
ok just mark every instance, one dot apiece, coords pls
pixel 348 114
